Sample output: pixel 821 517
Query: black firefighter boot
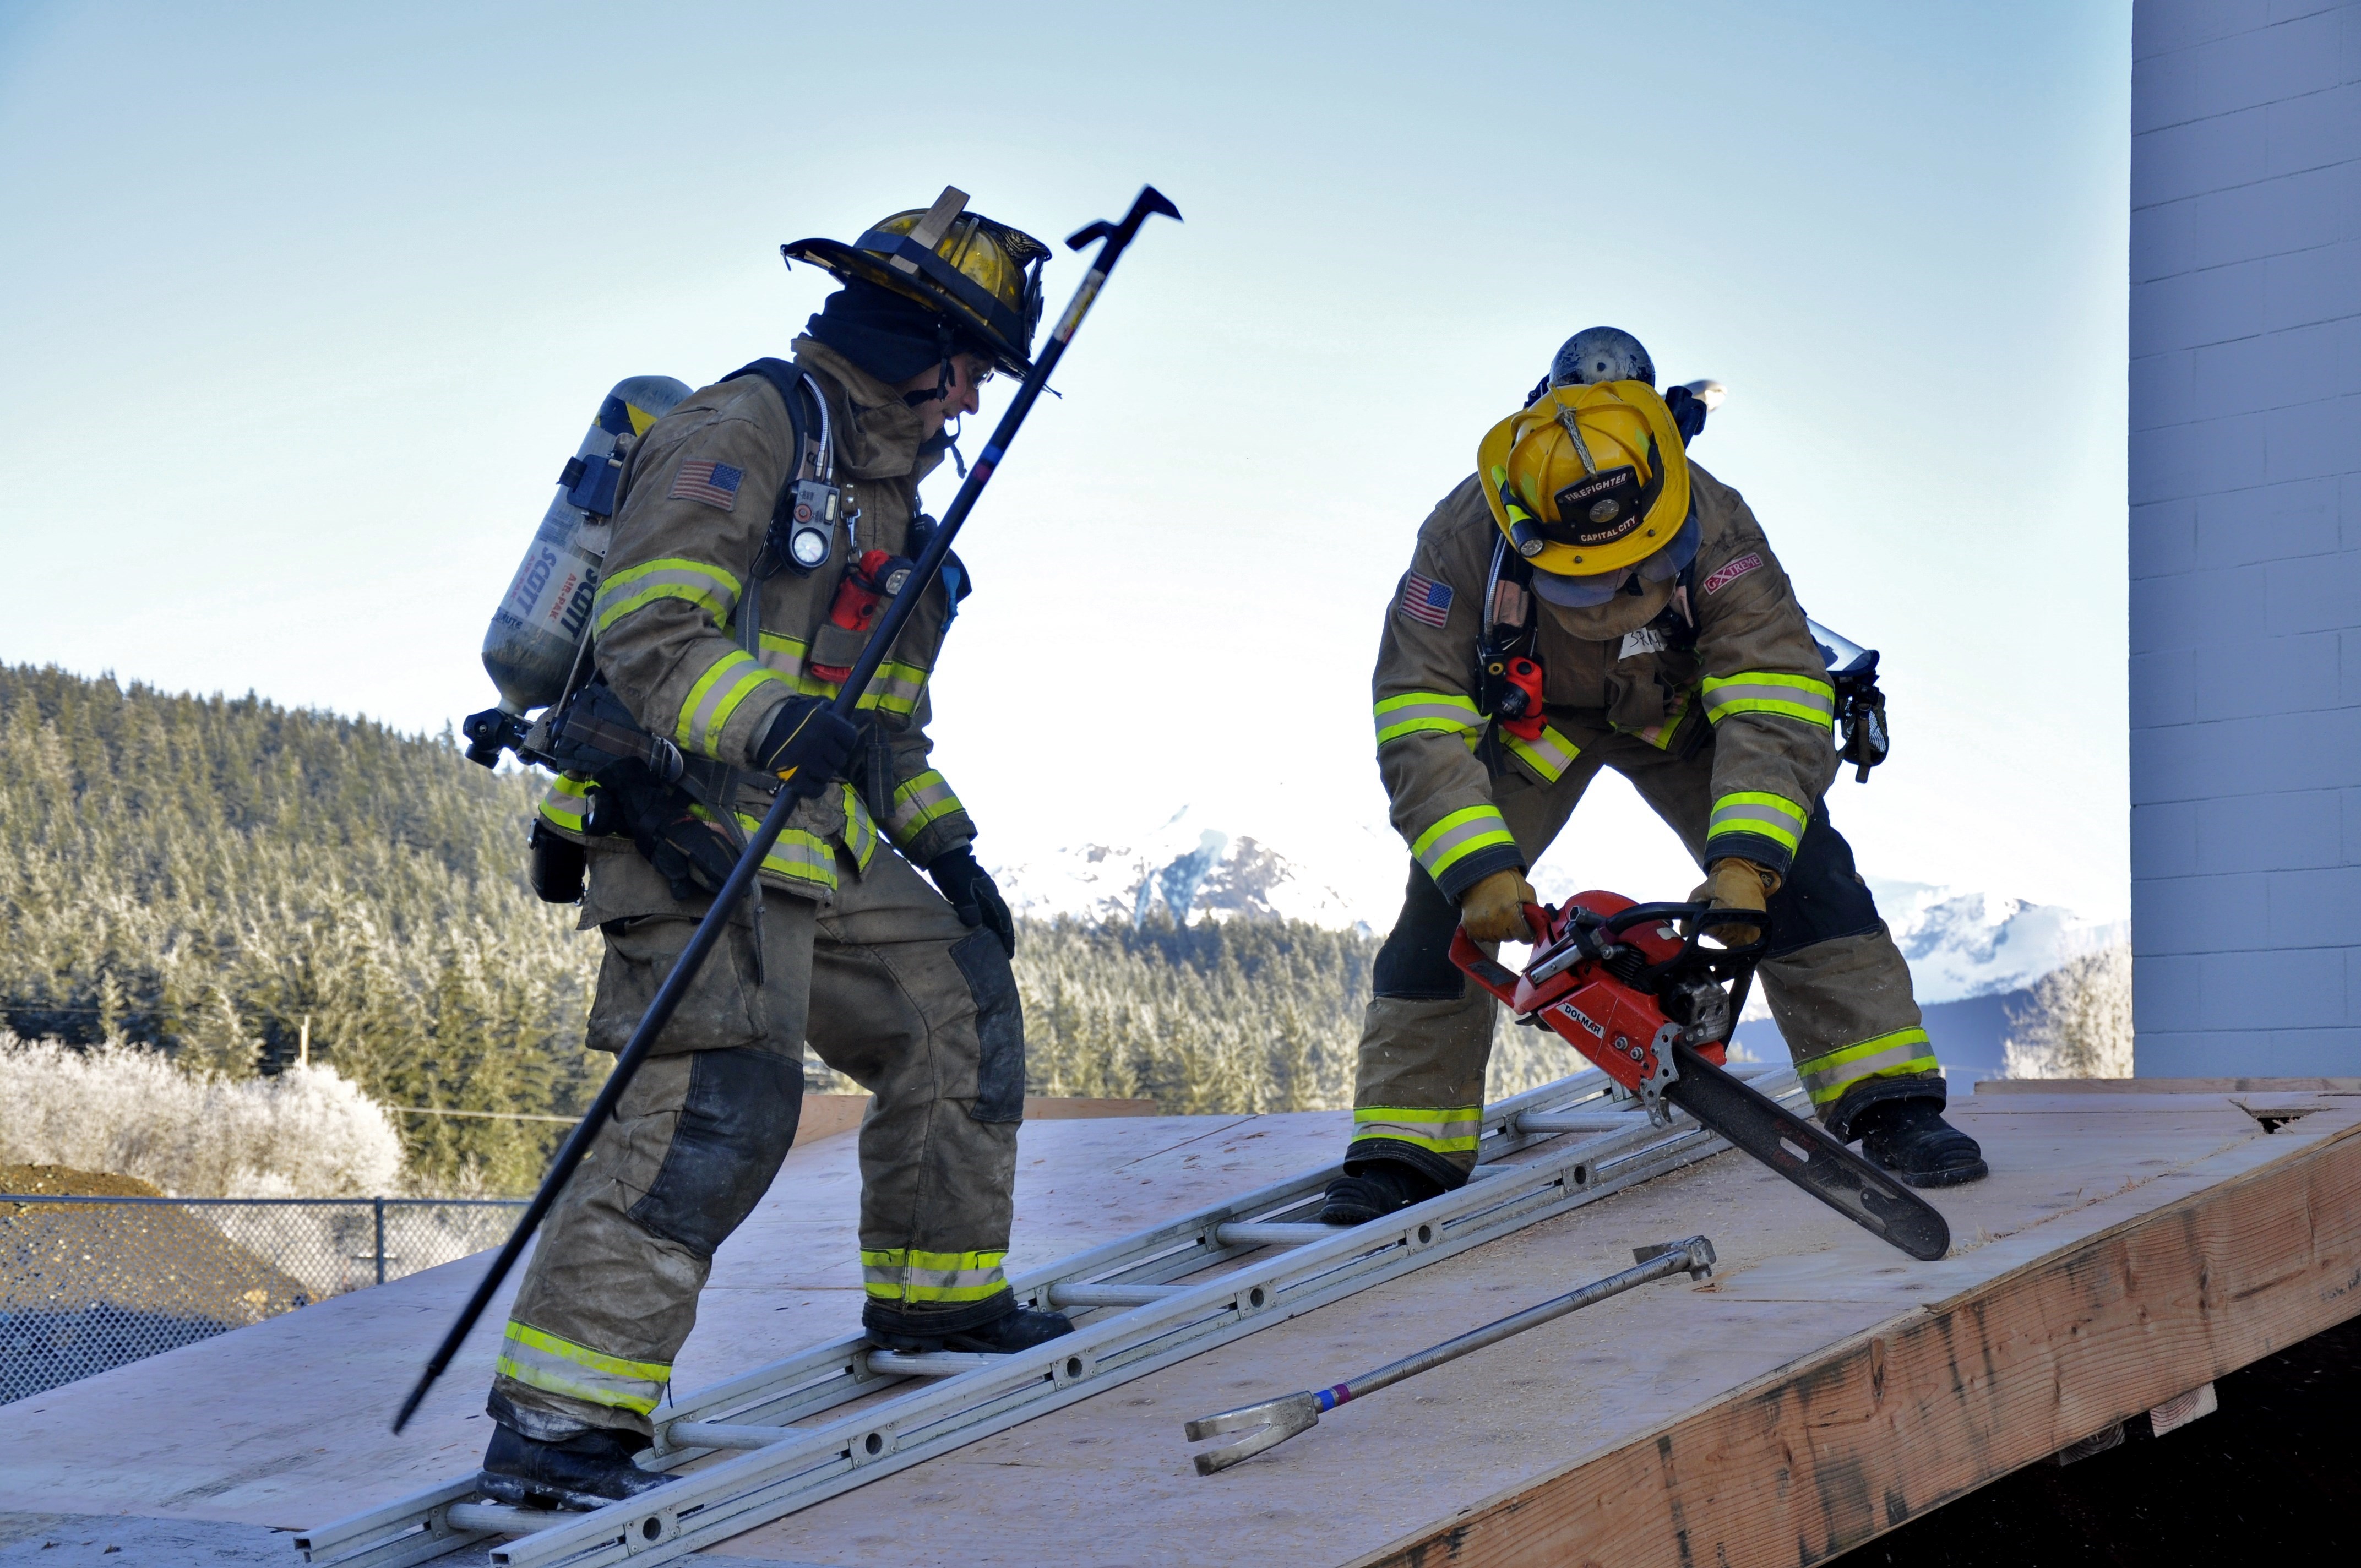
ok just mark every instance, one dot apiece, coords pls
pixel 998 1327
pixel 1910 1138
pixel 1372 1189
pixel 587 1470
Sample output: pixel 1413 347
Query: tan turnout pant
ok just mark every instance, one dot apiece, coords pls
pixel 891 990
pixel 1836 984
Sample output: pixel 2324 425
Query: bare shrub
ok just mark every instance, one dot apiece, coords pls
pixel 308 1133
pixel 2080 1025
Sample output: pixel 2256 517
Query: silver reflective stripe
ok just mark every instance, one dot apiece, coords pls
pixel 542 1360
pixel 1911 1053
pixel 919 802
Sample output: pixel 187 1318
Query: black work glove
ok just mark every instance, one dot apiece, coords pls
pixel 974 894
pixel 807 740
pixel 1688 413
pixel 694 855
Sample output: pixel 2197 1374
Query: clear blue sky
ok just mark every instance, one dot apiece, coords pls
pixel 307 304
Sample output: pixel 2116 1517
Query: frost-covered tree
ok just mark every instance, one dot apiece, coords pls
pixel 2079 1023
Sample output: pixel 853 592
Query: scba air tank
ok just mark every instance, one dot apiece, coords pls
pixel 528 649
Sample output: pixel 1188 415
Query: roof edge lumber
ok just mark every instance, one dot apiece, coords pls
pixel 1834 1450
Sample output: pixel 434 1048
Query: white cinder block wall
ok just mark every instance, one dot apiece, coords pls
pixel 2245 536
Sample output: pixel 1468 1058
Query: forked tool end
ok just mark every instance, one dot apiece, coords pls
pixel 1699 1250
pixel 1267 1425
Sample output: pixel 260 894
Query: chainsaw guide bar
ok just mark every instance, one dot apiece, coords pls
pixel 1646 1004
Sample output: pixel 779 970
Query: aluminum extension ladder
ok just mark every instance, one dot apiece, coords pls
pixel 1142 1303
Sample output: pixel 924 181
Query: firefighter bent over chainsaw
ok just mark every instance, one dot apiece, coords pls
pixel 762 525
pixel 1592 599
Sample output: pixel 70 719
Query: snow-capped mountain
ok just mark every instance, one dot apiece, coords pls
pixel 1972 944
pixel 1186 867
pixel 1960 944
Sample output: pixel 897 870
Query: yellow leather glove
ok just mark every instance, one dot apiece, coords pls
pixel 1494 909
pixel 1734 883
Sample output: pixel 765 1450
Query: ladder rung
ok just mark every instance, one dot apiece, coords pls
pixel 1110 1295
pixel 500 1519
pixel 1573 1122
pixel 725 1434
pixel 1269 1232
pixel 939 1364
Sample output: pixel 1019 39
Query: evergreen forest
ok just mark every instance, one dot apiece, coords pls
pixel 237 885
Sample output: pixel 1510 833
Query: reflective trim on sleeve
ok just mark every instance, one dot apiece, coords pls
pixel 709 588
pixel 1452 1129
pixel 567 803
pixel 561 1366
pixel 1764 691
pixel 1902 1054
pixel 1773 817
pixel 1414 713
pixel 921 802
pixel 1459 835
pixel 731 679
pixel 908 1276
pixel 1550 756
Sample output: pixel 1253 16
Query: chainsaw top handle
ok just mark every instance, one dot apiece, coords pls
pixel 1578 934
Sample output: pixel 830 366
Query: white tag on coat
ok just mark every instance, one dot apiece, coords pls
pixel 1647 640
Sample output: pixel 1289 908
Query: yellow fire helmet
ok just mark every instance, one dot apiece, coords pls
pixel 986 276
pixel 1588 479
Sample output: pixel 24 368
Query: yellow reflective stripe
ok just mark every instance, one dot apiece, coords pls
pixel 1550 756
pixel 1659 736
pixel 860 829
pixel 1901 1054
pixel 567 802
pixel 923 800
pixel 909 1275
pixel 1459 835
pixel 1766 691
pixel 1452 1129
pixel 895 687
pixel 797 855
pixel 1414 713
pixel 578 1372
pixel 1752 811
pixel 709 588
pixel 731 680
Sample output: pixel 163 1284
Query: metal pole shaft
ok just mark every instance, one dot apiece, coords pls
pixel 775 821
pixel 1385 1377
pixel 379 1204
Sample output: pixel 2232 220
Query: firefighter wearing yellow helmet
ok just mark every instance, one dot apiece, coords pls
pixel 757 525
pixel 1591 597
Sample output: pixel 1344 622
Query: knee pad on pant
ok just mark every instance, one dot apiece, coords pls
pixel 1823 897
pixel 735 1127
pixel 999 1027
pixel 1415 963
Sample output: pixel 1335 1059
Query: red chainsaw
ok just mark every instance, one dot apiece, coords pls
pixel 1636 990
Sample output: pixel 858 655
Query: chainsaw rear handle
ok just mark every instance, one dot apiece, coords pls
pixel 1486 972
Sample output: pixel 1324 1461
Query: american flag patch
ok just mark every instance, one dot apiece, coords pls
pixel 715 484
pixel 1425 600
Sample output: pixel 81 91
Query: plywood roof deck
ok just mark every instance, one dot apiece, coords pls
pixel 2135 1241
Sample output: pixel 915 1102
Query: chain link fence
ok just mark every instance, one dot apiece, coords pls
pixel 90 1283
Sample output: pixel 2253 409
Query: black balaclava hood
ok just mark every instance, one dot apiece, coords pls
pixel 890 335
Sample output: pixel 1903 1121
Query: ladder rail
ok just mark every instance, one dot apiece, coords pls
pixel 940 1411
